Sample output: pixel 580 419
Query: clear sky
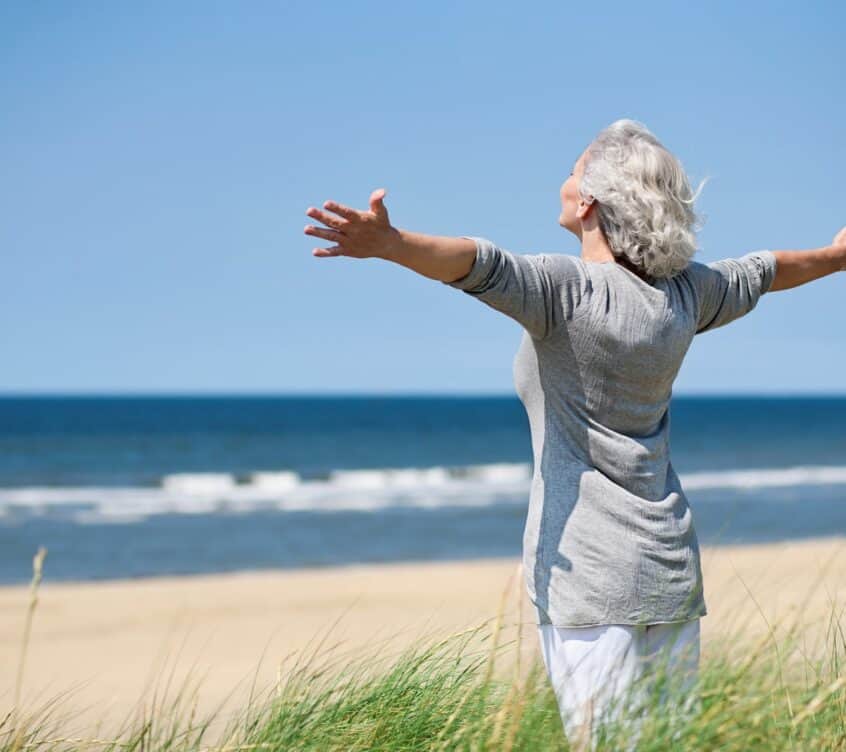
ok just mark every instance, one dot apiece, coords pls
pixel 158 158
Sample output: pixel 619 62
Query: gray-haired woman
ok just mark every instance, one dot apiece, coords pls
pixel 610 555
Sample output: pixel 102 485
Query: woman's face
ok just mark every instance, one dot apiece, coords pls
pixel 573 208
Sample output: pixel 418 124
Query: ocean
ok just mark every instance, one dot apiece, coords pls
pixel 132 486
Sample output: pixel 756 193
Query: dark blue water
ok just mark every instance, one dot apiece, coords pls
pixel 136 486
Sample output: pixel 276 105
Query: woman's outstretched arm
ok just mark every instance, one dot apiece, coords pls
pixel 730 288
pixel 536 290
pixel 798 267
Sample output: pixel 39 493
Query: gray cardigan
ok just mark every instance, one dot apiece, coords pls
pixel 609 535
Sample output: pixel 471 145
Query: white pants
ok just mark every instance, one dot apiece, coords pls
pixel 603 672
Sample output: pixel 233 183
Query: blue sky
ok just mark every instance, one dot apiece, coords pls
pixel 158 159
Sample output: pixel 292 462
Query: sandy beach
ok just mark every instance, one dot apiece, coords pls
pixel 109 643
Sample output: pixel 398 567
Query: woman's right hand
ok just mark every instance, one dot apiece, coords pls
pixel 356 233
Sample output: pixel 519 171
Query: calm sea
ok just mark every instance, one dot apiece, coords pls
pixel 139 486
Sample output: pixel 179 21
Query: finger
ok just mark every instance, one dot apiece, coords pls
pixel 351 214
pixel 319 232
pixel 376 205
pixel 326 218
pixel 332 250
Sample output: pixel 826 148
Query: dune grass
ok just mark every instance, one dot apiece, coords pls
pixel 443 694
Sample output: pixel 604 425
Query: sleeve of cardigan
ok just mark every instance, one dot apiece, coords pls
pixel 536 290
pixel 731 288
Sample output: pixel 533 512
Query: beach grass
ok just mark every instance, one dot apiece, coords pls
pixel 443 693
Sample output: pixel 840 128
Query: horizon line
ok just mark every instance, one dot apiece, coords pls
pixel 382 394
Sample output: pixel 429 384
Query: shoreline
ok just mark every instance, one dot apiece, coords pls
pixel 112 640
pixel 200 575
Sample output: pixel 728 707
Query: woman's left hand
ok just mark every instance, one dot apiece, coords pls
pixel 355 233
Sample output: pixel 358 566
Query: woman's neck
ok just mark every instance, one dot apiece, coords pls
pixel 624 261
pixel 595 248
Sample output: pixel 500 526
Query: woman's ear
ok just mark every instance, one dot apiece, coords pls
pixel 584 207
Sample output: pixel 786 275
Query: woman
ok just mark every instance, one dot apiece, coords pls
pixel 610 555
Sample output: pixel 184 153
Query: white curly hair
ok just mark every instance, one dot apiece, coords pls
pixel 644 203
